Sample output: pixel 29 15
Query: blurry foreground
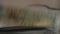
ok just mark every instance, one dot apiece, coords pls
pixel 13 16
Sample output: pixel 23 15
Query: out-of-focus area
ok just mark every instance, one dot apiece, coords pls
pixel 16 5
pixel 24 3
pixel 20 13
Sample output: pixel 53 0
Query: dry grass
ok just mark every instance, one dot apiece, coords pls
pixel 26 17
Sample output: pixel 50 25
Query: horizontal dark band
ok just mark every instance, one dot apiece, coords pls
pixel 21 28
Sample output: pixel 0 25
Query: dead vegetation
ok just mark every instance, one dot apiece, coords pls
pixel 26 17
